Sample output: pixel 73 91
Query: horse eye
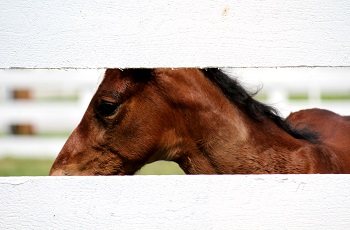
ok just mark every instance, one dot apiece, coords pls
pixel 107 108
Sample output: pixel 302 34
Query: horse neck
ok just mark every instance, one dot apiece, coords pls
pixel 234 143
pixel 208 134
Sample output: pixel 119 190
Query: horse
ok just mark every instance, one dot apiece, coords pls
pixel 203 120
pixel 333 129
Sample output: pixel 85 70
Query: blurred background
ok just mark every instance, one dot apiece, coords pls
pixel 40 108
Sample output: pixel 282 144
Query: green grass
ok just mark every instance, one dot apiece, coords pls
pixel 161 168
pixel 335 97
pixel 71 98
pixel 261 97
pixel 10 166
pixel 324 97
pixel 298 97
pixel 53 134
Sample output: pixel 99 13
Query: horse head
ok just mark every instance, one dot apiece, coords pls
pixel 138 116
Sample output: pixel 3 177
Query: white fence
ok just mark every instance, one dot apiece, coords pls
pixel 45 116
pixel 280 84
pixel 248 34
pixel 176 202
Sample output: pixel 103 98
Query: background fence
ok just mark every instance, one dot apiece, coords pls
pixel 56 104
pixel 221 33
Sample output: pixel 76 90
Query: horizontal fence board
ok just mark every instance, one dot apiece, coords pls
pixel 52 112
pixel 176 202
pixel 31 146
pixel 131 33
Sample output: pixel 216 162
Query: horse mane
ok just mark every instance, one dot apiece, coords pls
pixel 236 93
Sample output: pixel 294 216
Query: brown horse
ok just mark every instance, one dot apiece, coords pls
pixel 204 121
pixel 333 130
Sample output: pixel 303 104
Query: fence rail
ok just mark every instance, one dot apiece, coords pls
pixel 176 202
pixel 313 84
pixel 45 116
pixel 130 33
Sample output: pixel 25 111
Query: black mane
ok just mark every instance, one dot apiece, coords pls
pixel 255 109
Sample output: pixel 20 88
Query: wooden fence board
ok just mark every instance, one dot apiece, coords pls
pixel 176 202
pixel 132 33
